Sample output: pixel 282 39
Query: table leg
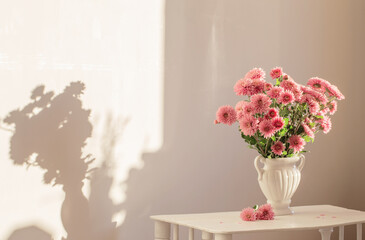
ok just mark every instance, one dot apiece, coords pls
pixel 341 232
pixel 222 236
pixel 359 231
pixel 191 233
pixel 326 233
pixel 162 230
pixel 175 232
pixel 207 236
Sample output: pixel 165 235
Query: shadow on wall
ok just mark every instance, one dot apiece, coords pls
pixel 101 206
pixel 50 133
pixel 32 232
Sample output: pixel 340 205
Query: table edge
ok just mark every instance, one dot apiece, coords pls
pixel 156 218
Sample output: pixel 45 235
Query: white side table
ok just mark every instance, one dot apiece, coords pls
pixel 222 225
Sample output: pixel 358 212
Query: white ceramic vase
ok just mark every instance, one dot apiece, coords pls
pixel 279 179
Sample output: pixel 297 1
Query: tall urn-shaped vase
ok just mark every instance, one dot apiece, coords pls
pixel 279 179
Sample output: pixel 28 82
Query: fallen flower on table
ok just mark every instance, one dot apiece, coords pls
pixel 264 212
pixel 248 214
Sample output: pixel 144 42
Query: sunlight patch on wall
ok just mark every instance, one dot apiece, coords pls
pixel 116 49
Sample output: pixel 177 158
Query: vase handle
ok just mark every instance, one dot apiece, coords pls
pixel 302 161
pixel 260 171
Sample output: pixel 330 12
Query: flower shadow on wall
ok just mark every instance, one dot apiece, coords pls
pixel 50 133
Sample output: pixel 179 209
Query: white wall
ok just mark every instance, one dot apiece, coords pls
pixel 209 46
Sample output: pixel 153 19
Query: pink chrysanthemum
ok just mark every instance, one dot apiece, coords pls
pixel 286 97
pixel 248 125
pixel 260 119
pixel 313 107
pixel 276 72
pixel 278 123
pixel 249 109
pixel 275 92
pixel 249 87
pixel 268 87
pixel 297 143
pixel 273 112
pixel 306 98
pixel 256 86
pixel 308 130
pixel 289 85
pixel 241 87
pixel 297 95
pixel 287 77
pixel 332 106
pixel 240 109
pixel 261 102
pixel 266 128
pixel 326 124
pixel 333 91
pixel 240 115
pixel 239 106
pixel 293 87
pixel 255 73
pixel 248 214
pixel 308 122
pixel 278 148
pixel 323 112
pixel 318 84
pixel 320 97
pixel 226 114
pixel 265 212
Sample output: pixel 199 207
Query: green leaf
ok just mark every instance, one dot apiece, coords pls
pixel 283 132
pixel 252 140
pixel 256 207
pixel 277 82
pixel 318 117
pixel 284 153
pixel 249 139
pixel 284 112
pixel 312 124
pixel 307 138
pixel 273 138
pixel 286 121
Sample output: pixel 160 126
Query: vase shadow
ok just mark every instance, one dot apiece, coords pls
pixel 50 133
pixel 31 232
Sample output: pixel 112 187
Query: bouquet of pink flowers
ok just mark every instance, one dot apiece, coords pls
pixel 277 120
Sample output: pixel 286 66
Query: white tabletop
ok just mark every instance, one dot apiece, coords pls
pixel 304 217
